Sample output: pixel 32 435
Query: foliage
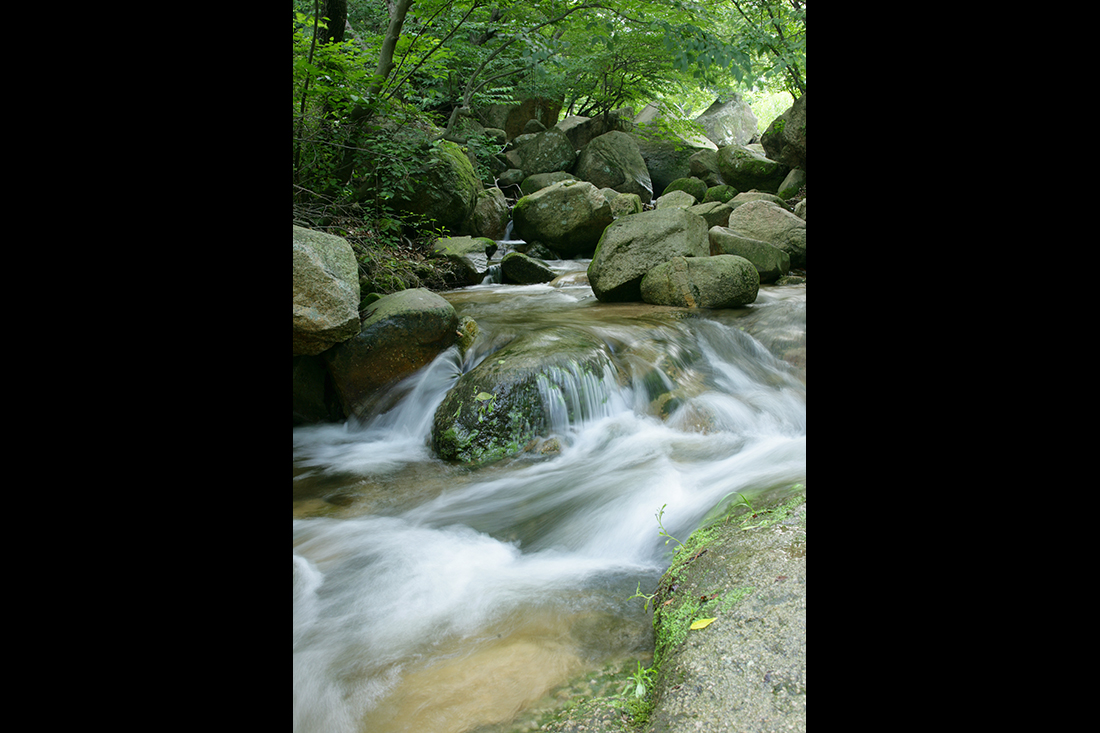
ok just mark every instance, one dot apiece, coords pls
pixel 364 128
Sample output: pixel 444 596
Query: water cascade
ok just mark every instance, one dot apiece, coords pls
pixel 434 597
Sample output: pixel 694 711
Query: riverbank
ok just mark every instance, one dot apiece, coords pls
pixel 745 670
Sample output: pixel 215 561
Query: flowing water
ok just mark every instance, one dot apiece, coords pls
pixel 433 598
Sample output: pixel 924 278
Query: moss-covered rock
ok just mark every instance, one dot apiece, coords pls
pixel 499 407
pixel 746 169
pixel 694 186
pixel 446 188
pixel 568 218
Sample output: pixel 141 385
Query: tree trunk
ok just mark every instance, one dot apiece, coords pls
pixel 337 13
pixel 399 9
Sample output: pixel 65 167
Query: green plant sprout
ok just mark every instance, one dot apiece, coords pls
pixel 663 532
pixel 638 594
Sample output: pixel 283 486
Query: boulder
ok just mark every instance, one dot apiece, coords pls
pixel 746 196
pixel 800 209
pixel 315 398
pixel 326 291
pixel 446 189
pixel 470 253
pixel 567 218
pixel 542 152
pixel 771 262
pixel 720 281
pixel 519 392
pixel 785 138
pixel 511 177
pixel 721 193
pixel 513 117
pixel 703 165
pixel 715 213
pixel 522 269
pixel 490 215
pixel 582 130
pixel 676 200
pixel 635 244
pixel 728 122
pixel 694 186
pixel 773 224
pixel 542 180
pixel 791 185
pixel 744 169
pixel 622 204
pixel 613 160
pixel 401 333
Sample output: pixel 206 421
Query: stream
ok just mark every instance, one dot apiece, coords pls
pixel 435 598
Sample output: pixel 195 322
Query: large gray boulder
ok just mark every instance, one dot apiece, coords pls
pixel 728 122
pixel 745 169
pixel 613 160
pixel 785 138
pixel 567 218
pixel 771 262
pixel 773 224
pixel 542 152
pixel 721 281
pixel 633 245
pixel 326 291
pixel 401 333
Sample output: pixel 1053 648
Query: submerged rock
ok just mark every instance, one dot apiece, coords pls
pixel 525 270
pixel 542 379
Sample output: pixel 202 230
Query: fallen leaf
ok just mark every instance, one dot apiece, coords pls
pixel 703 623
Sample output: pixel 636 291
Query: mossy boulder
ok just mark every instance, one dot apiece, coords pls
pixel 721 193
pixel 567 218
pixel 470 253
pixel 694 186
pixel 745 169
pixel 446 188
pixel 785 138
pixel 501 406
pixel 721 281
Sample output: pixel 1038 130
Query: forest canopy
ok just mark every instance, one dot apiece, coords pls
pixel 363 68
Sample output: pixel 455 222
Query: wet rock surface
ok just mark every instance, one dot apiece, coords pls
pixel 745 671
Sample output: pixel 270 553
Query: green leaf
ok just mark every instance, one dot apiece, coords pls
pixel 482 396
pixel 703 623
